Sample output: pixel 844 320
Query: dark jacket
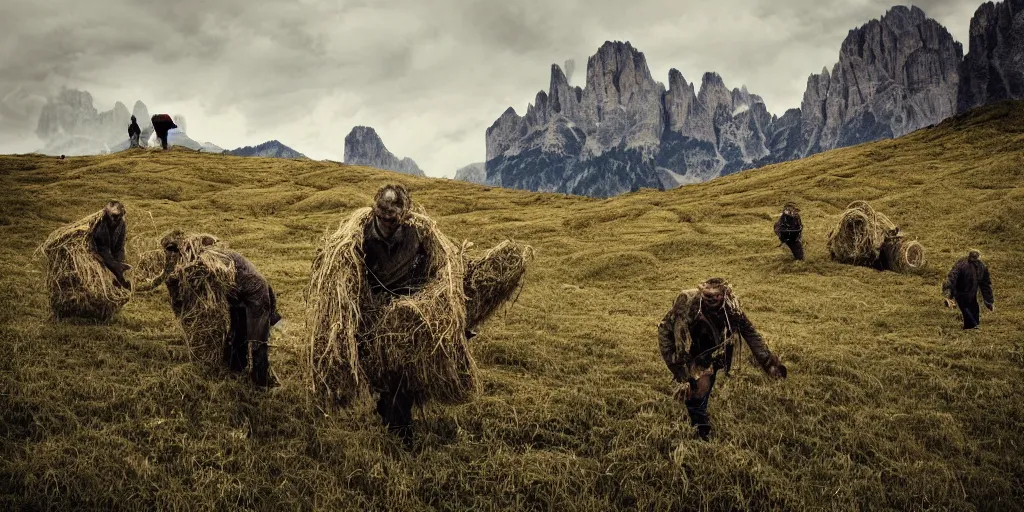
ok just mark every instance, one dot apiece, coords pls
pixel 966 278
pixel 690 338
pixel 108 241
pixel 133 129
pixel 789 228
pixel 397 264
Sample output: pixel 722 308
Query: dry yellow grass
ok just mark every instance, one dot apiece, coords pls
pixel 889 405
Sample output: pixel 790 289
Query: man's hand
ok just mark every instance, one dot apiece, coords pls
pixel 991 307
pixel 776 369
pixel 950 303
pixel 679 367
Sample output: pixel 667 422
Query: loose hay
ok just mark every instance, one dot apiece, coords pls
pixel 78 283
pixel 149 268
pixel 204 277
pixel 492 279
pixel 359 343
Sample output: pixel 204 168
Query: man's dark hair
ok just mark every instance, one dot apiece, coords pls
pixel 392 200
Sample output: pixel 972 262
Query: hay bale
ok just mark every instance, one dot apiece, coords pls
pixel 859 234
pixel 202 279
pixel 78 283
pixel 907 256
pixel 492 279
pixel 357 341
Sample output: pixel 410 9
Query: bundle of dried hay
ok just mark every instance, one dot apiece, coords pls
pixel 358 340
pixel 78 283
pixel 202 279
pixel 492 279
pixel 858 236
pixel 907 257
pixel 149 267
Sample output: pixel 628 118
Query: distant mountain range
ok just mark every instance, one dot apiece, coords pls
pixel 624 131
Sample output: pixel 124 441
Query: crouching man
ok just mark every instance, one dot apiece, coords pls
pixel 251 303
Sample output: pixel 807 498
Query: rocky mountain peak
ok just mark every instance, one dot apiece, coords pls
pixel 141 113
pixel 364 147
pixel 895 75
pixel 993 68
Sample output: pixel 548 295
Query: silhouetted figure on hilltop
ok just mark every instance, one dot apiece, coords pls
pixel 162 123
pixel 133 133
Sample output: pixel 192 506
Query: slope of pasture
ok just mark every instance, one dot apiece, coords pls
pixel 889 405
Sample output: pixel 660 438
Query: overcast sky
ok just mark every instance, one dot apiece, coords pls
pixel 429 76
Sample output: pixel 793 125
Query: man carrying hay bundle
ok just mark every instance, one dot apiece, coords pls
pixel 221 300
pixel 85 265
pixel 392 302
pixel 790 230
pixel 696 341
pixel 965 279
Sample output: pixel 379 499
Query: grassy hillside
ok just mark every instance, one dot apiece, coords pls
pixel 889 405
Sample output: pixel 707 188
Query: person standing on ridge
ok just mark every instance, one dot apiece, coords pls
pixel 133 133
pixel 162 123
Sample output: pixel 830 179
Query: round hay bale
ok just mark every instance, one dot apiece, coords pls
pixel 908 257
pixel 858 235
pixel 78 283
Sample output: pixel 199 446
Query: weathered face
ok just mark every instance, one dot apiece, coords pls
pixel 388 212
pixel 714 296
pixel 171 254
pixel 388 224
pixel 115 211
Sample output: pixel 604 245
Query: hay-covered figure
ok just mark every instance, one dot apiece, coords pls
pixel 696 339
pixel 392 302
pixel 789 229
pixel 86 265
pixel 223 303
pixel 968 276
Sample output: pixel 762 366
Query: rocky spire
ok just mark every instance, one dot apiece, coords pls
pixel 993 68
pixel 364 147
